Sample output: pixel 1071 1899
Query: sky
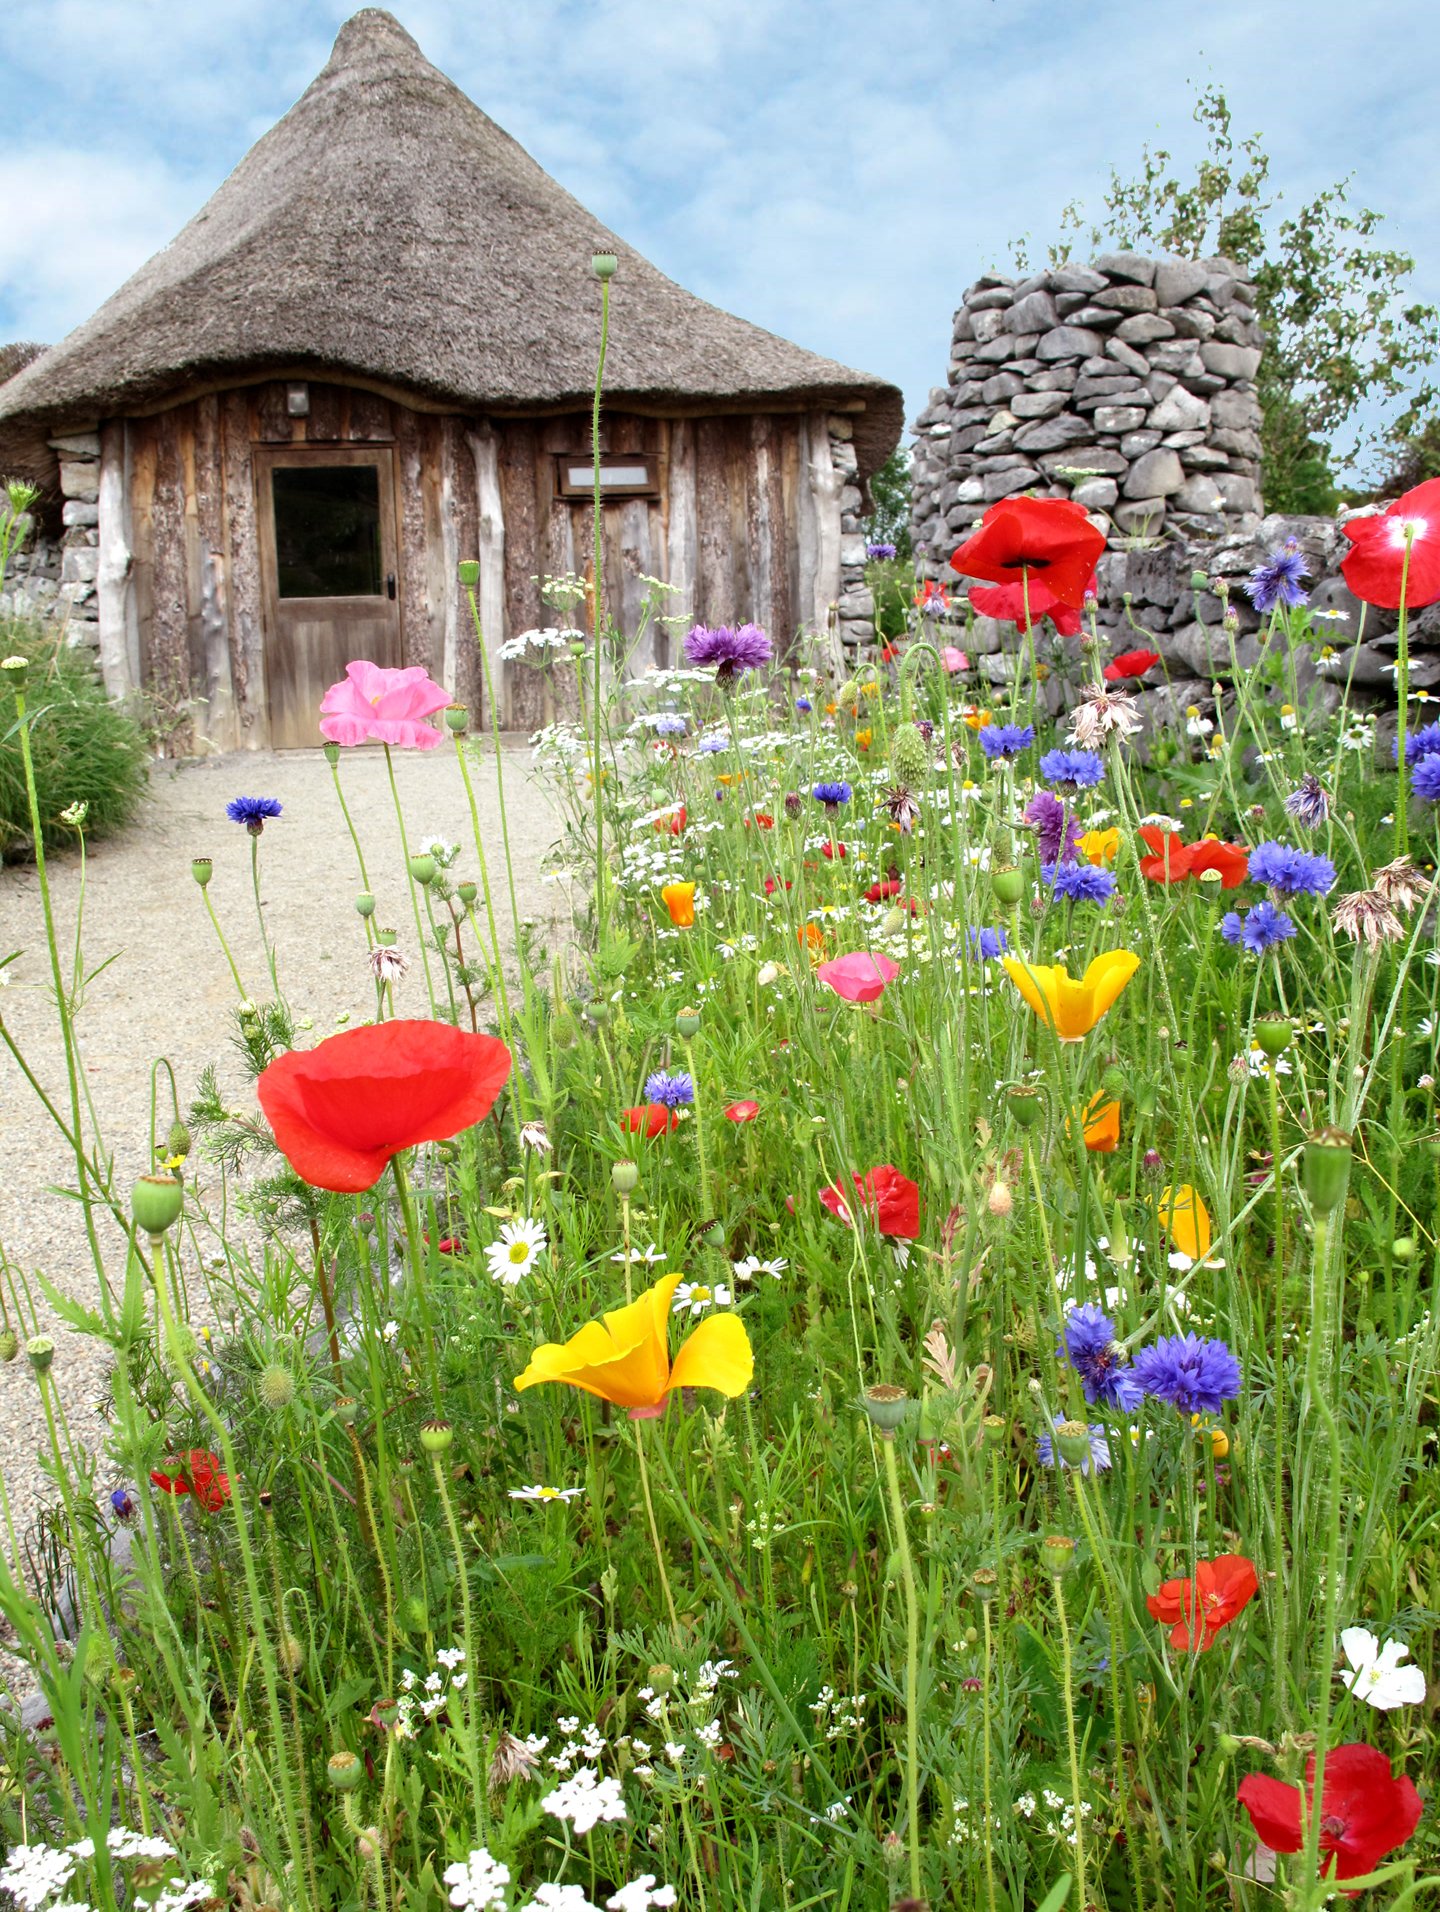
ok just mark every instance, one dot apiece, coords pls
pixel 837 171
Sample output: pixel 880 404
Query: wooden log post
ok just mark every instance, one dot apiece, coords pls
pixel 485 448
pixel 820 539
pixel 114 589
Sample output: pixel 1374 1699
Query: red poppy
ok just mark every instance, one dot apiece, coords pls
pixel 1221 1588
pixel 765 821
pixel 891 1198
pixel 1375 562
pixel 1171 859
pixel 742 1111
pixel 674 822
pixel 197 1473
pixel 1022 537
pixel 934 597
pixel 827 849
pixel 343 1108
pixel 882 892
pixel 1364 1811
pixel 650 1119
pixel 1007 601
pixel 1130 664
pixel 771 885
pixel 888 653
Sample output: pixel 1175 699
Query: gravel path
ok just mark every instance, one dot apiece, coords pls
pixel 169 991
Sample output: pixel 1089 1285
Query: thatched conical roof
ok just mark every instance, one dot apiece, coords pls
pixel 386 228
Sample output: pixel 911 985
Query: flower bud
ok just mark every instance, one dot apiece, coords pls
pixel 893 921
pixel 345 1770
pixel 423 868
pixel 155 1203
pixel 40 1352
pixel 1152 1165
pixel 292 1654
pixel 202 868
pixel 793 805
pixel 1403 1248
pixel 1273 1034
pixel 331 751
pixel 178 1139
pixel 436 1436
pixel 604 265
pixel 688 1022
pixel 887 1406
pixel 1024 1105
pixel 468 572
pixel 624 1177
pixel 1057 1554
pixel 1114 1081
pixel 1008 884
pixel 9 1344
pixel 598 1011
pixel 365 904
pixel 275 1387
pixel 457 718
pixel 909 756
pixel 1325 1169
pixel 999 1202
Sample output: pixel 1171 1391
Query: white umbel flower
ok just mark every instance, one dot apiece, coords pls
pixel 520 1246
pixel 1375 1673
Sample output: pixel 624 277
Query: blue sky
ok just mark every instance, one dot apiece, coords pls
pixel 833 170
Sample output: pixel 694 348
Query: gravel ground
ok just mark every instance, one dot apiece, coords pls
pixel 168 992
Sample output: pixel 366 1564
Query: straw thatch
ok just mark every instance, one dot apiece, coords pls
pixel 386 229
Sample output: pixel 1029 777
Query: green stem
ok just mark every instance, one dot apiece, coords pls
pixel 912 1661
pixel 1077 1797
pixel 985 1707
pixel 1402 691
pixel 472 1667
pixel 650 1515
pixel 405 853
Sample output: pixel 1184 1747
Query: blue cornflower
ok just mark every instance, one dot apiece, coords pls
pixel 879 551
pixel 1279 578
pixel 803 705
pixel 1006 740
pixel 1425 779
pixel 1192 1373
pixel 707 746
pixel 1072 769
pixel 667 723
pixel 1257 929
pixel 123 1505
pixel 1079 882
pixel 1292 872
pixel 1089 1344
pixel 1424 742
pixel 987 944
pixel 731 651
pixel 1057 832
pixel 253 812
pixel 832 795
pixel 1097 1462
pixel 672 1091
pixel 1310 803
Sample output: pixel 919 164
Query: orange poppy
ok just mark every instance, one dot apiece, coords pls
pixel 679 899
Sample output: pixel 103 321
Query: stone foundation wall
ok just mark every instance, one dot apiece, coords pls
pixel 32 580
pixel 855 606
pixel 1127 385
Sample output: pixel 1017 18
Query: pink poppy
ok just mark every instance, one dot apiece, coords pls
pixel 386 706
pixel 859 978
pixel 742 1111
pixel 954 660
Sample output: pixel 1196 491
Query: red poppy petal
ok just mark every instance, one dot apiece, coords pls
pixel 1274 1810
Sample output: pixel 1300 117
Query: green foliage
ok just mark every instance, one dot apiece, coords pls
pixel 1340 330
pixel 892 581
pixel 1413 456
pixel 86 749
pixel 889 519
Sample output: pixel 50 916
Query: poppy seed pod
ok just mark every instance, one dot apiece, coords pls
pixel 1072 1442
pixel 202 869
pixel 345 1770
pixel 887 1406
pixel 604 265
pixel 468 572
pixel 457 719
pixel 1057 1554
pixel 467 892
pixel 365 904
pixel 40 1352
pixel 688 1022
pixel 331 751
pixel 155 1203
pixel 1008 884
pixel 436 1436
pixel 624 1177
pixel 1325 1169
pixel 1024 1105
pixel 1273 1034
pixel 423 868
pixel 347 1409
pixel 985 1584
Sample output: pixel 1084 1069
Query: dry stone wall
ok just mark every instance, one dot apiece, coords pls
pixel 1127 385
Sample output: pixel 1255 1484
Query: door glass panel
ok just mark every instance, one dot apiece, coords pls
pixel 327 530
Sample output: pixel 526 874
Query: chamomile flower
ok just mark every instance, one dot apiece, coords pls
pixel 546 1494
pixel 520 1246
pixel 749 1266
pixel 695 1297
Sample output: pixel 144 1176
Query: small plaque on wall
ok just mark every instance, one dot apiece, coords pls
pixel 622 475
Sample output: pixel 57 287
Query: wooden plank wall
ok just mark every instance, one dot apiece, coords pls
pixel 729 529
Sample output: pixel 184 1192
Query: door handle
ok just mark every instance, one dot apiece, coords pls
pixel 390 584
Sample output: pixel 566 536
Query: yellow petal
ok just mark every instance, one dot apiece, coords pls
pixel 1036 983
pixel 623 1358
pixel 717 1355
pixel 1106 977
pixel 1184 1216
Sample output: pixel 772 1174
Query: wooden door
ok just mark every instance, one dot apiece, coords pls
pixel 329 575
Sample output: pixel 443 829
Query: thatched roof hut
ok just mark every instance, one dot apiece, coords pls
pixel 388 275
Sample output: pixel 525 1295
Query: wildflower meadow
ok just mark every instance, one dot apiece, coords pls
pixel 894 1365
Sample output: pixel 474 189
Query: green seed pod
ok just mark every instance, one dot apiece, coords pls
pixel 1273 1034
pixel 909 754
pixel 436 1436
pixel 347 1409
pixel 331 751
pixel 155 1203
pixel 468 572
pixel 887 1406
pixel 384 938
pixel 598 1011
pixel 1057 1554
pixel 1072 1442
pixel 1025 1106
pixel 1325 1169
pixel 424 869
pixel 457 719
pixel 688 1022
pixel 994 1430
pixel 1008 884
pixel 40 1352
pixel 202 869
pixel 365 904
pixel 345 1770
pixel 467 892
pixel 604 265
pixel 624 1177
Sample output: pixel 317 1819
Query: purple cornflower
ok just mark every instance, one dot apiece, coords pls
pixel 1291 872
pixel 123 1505
pixel 672 1091
pixel 253 812
pixel 832 795
pixel 876 552
pixel 1006 740
pixel 1090 1346
pixel 1057 833
pixel 1310 804
pixel 708 746
pixel 1424 742
pixel 1098 1461
pixel 731 651
pixel 1072 769
pixel 1425 779
pixel 1079 882
pixel 667 723
pixel 803 705
pixel 1256 929
pixel 1279 579
pixel 987 944
pixel 1194 1374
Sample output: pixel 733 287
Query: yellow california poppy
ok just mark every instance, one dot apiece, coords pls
pixel 625 1357
pixel 1099 846
pixel 1102 1125
pixel 1184 1214
pixel 1072 1008
pixel 679 899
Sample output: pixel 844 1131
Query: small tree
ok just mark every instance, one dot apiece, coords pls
pixel 1338 330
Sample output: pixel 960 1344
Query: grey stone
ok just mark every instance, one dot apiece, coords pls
pixel 1096 494
pixel 1179 357
pixel 1151 578
pixel 1121 388
pixel 1182 441
pixel 1199 494
pixel 1058 378
pixel 77 445
pixel 1125 354
pixel 1230 361
pixel 1191 323
pixel 1204 457
pixel 1141 517
pixel 1237 331
pixel 986 636
pixel 1180 411
pixel 79 511
pixel 1003 484
pixel 992 298
pixel 1077 278
pixel 1237 410
pixel 1127 298
pixel 1144 327
pixel 1069 342
pixel 995 442
pixel 1136 444
pixel 1154 475
pixel 1205 650
pixel 852 551
pixel 1050 434
pixel 1203 384
pixel 1034 313
pixel 1094 460
pixel 1239 494
pixel 1243 444
pixel 79 478
pixel 1119 418
pixel 1177 280
pixel 987 325
pixel 850 499
pixel 971 492
pixel 1133 267
pixel 1004 347
pixel 1001 386
pixel 1220 265
pixel 79 565
pixel 1096 318
pixel 1038 404
pixel 857 604
pixel 964 326
pixel 967 439
pixel 1096 368
pixel 1068 302
pixel 1158 383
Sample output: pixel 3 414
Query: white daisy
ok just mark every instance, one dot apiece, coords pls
pixel 520 1246
pixel 545 1493
pixel 751 1265
pixel 697 1296
pixel 1375 1672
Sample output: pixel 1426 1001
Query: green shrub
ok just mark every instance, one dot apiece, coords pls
pixel 86 749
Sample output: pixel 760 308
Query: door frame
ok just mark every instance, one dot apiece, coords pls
pixel 264 461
